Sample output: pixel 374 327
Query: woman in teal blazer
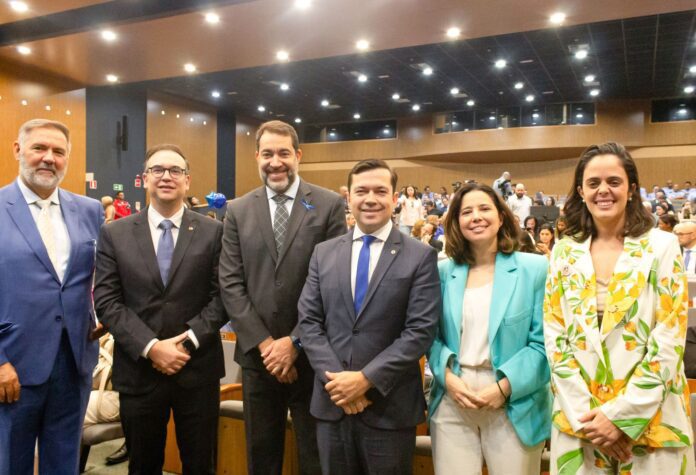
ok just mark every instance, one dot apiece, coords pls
pixel 490 397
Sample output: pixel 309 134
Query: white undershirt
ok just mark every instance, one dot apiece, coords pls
pixel 375 251
pixel 473 349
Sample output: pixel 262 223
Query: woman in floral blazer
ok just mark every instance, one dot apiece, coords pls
pixel 615 325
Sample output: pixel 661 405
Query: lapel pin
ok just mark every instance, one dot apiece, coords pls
pixel 393 251
pixel 190 228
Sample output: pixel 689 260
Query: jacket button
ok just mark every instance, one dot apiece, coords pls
pixel 355 331
pixel 59 318
pixel 278 283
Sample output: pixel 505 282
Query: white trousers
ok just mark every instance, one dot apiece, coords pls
pixel 463 438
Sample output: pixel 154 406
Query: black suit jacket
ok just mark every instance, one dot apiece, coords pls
pixel 134 304
pixel 394 329
pixel 260 288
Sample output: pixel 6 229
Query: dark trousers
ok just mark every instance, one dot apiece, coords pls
pixel 145 416
pixel 51 412
pixel 266 404
pixel 350 447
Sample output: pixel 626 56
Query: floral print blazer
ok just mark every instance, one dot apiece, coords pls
pixel 631 367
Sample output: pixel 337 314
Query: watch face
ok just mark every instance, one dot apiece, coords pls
pixel 190 347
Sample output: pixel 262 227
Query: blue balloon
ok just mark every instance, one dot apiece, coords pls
pixel 216 200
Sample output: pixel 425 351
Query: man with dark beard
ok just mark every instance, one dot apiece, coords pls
pixel 268 240
pixel 47 347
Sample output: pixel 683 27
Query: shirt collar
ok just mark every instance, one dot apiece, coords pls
pixel 155 218
pixel 381 234
pixel 290 192
pixel 31 197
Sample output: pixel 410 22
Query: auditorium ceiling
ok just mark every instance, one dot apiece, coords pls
pixel 618 49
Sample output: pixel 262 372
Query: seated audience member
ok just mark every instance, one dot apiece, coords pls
pixel 560 226
pixel 531 225
pixel 546 239
pixel 549 201
pixel 686 233
pixel 350 221
pixel 666 222
pixel 490 397
pixel 661 209
pixel 436 222
pixel 192 201
pixel 109 210
pixel 428 236
pixel 661 197
pixel 122 207
pixel 526 244
pixel 417 229
pixel 431 210
pixel 690 353
pixel 445 203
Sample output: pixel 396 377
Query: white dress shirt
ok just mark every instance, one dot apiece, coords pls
pixel 154 218
pixel 691 268
pixel 60 230
pixel 521 207
pixel 290 193
pixel 376 247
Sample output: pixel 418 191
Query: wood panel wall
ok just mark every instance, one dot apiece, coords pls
pixel 247 174
pixel 197 138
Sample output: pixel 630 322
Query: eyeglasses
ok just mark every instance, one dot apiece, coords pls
pixel 174 172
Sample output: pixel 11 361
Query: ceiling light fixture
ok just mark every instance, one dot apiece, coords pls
pixel 190 68
pixel 215 94
pixel 109 35
pixel 19 7
pixel 689 89
pixel 356 116
pixel 681 112
pixel 191 119
pixel 454 91
pixel 415 107
pixel 579 116
pixel 594 92
pixel 581 54
pixel 178 115
pixel 163 113
pixel 261 109
pixel 529 98
pixel 470 103
pixel 500 64
pixel 284 87
pixel 453 32
pixel 48 108
pixel 428 71
pixel 362 78
pixel 362 45
pixel 24 50
pixel 590 78
pixel 692 69
pixel 325 103
pixel 519 85
pixel 303 4
pixel 67 112
pixel 557 18
pixel 112 78
pixel 212 18
pixel 396 96
pixel 282 55
pixel 205 122
pixel 298 120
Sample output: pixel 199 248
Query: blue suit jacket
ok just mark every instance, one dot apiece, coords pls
pixel 35 305
pixel 515 337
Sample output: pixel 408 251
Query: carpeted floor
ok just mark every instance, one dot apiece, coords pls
pixel 96 462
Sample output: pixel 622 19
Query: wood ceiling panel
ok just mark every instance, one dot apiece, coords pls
pixel 41 8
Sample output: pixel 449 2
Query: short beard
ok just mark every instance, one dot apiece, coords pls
pixel 279 187
pixel 33 180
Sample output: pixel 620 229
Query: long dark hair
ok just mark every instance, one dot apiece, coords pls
pixel 457 247
pixel 580 223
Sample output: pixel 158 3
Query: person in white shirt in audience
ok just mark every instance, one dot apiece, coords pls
pixel 520 203
pixel 686 233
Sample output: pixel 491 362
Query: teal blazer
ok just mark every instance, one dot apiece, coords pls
pixel 515 337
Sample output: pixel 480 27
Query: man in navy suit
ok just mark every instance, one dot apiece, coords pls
pixel 368 313
pixel 47 347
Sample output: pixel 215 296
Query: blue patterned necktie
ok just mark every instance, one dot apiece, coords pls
pixel 362 276
pixel 165 249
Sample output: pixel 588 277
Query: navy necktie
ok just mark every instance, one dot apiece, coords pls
pixel 362 276
pixel 165 249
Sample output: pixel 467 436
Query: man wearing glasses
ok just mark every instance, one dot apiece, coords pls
pixel 157 292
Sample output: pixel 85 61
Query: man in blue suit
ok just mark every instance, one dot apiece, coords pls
pixel 368 313
pixel 47 347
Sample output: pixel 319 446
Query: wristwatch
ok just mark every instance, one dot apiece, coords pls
pixel 296 342
pixel 188 346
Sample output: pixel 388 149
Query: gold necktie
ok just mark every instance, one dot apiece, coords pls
pixel 46 230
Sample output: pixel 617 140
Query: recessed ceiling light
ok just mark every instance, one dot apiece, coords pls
pixel 298 120
pixel 470 103
pixel 454 32
pixel 428 71
pixel 284 87
pixel 396 96
pixel 24 102
pixel 303 4
pixel 212 18
pixel 205 122
pixel 594 92
pixel 67 112
pixel 48 108
pixel 557 18
pixel 190 68
pixel 332 134
pixel 362 45
pixel 191 119
pixel 24 50
pixel 415 107
pixel 519 85
pixel 491 117
pixel 215 94
pixel 590 78
pixel 581 54
pixel 19 7
pixel 112 78
pixel 178 115
pixel 356 116
pixel 689 89
pixel 692 69
pixel 109 35
pixel 386 131
pixel 282 55
pixel 325 103
pixel 163 112
pixel 454 91
pixel 579 116
pixel 682 111
pixel 529 98
pixel 362 78
pixel 500 64
pixel 261 109
pixel 535 115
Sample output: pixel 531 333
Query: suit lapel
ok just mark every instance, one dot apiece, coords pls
pixel 72 222
pixel 263 217
pixel 300 206
pixel 20 213
pixel 143 237
pixel 343 263
pixel 504 280
pixel 391 249
pixel 189 223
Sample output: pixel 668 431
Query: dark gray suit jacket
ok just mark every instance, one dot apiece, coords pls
pixel 394 329
pixel 260 288
pixel 134 304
